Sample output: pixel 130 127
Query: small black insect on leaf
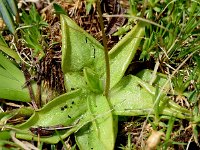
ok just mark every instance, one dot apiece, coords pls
pixel 73 102
pixel 69 116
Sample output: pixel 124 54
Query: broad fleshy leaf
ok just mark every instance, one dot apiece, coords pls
pixel 133 97
pixel 65 110
pixel 93 81
pixel 159 79
pixel 79 49
pixel 123 53
pixel 100 133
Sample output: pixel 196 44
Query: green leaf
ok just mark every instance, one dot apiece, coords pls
pixel 75 80
pixel 160 79
pixel 12 90
pixel 89 4
pixel 88 7
pixel 92 80
pixel 12 81
pixel 123 53
pixel 77 54
pixel 10 52
pixel 63 110
pixel 87 140
pixel 71 109
pixel 133 97
pixel 5 135
pixel 32 33
pixel 7 17
pixel 4 47
pixel 12 69
pixel 88 52
pixel 58 9
pixel 2 41
pixel 13 6
pixel 100 134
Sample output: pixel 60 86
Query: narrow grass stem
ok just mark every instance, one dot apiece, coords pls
pixel 162 89
pixel 107 84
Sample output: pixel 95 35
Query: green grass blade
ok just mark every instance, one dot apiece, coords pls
pixel 9 52
pixel 12 81
pixel 12 69
pixel 7 17
pixel 12 6
pixel 58 9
